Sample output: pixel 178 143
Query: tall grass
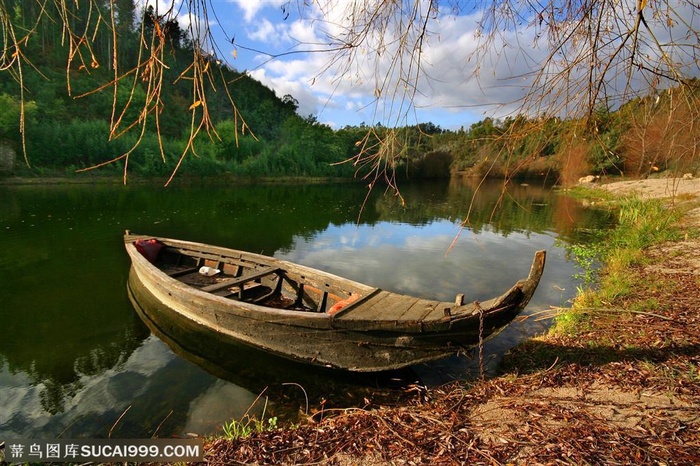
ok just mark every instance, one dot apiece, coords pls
pixel 641 224
pixel 235 429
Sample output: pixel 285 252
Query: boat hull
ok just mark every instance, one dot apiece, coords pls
pixel 328 347
pixel 344 340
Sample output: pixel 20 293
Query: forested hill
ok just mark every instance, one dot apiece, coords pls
pixel 69 105
pixel 64 73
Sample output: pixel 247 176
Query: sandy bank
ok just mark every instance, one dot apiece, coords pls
pixel 656 187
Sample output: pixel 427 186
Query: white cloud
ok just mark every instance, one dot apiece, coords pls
pixel 305 33
pixel 448 83
pixel 454 78
pixel 268 33
pixel 453 81
pixel 309 102
pixel 292 70
pixel 252 7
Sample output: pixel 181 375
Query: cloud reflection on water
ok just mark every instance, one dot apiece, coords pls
pixel 417 260
pixel 102 398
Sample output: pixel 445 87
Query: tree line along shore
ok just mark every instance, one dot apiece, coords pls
pixel 58 120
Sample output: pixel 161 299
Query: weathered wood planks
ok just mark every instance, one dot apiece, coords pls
pixel 310 315
pixel 241 280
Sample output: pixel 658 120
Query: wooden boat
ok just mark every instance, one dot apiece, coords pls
pixel 306 314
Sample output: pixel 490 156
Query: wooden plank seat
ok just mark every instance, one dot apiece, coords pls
pixel 202 256
pixel 238 281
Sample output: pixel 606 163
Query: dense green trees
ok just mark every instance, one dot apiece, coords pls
pixel 61 96
pixel 76 118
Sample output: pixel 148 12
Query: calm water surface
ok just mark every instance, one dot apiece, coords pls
pixel 76 361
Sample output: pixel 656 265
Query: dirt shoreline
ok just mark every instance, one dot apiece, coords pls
pixel 655 187
pixel 625 392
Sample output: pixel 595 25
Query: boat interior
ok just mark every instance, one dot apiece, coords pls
pixel 240 278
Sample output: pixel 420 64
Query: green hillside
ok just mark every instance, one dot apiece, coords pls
pixel 206 119
pixel 68 106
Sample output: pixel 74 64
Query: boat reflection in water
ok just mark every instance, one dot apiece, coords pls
pixel 295 389
pixel 196 334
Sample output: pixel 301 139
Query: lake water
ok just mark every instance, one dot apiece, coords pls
pixel 76 361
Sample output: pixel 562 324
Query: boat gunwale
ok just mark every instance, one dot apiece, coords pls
pixel 439 353
pixel 227 305
pixel 458 314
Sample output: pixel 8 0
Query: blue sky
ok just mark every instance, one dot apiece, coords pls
pixel 281 43
pixel 280 48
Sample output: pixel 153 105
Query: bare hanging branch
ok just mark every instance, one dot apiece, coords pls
pixel 80 22
pixel 582 54
pixel 592 53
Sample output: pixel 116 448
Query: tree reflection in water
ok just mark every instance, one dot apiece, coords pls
pixel 76 356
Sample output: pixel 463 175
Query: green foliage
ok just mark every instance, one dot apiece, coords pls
pixel 72 131
pixel 586 257
pixel 10 115
pixel 434 164
pixel 76 143
pixel 306 148
pixel 571 322
pixel 235 429
pixel 641 224
pixel 605 143
pixel 605 151
pixel 233 146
